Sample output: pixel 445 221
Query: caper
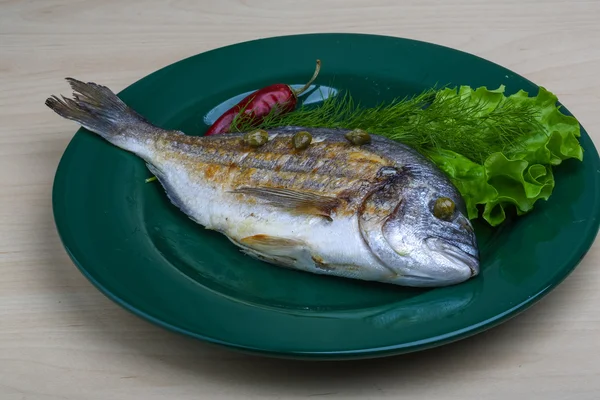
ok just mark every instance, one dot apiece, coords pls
pixel 301 140
pixel 444 208
pixel 358 137
pixel 256 138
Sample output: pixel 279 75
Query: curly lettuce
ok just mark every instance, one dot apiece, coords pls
pixel 521 174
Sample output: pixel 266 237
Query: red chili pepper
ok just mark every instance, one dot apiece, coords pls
pixel 261 103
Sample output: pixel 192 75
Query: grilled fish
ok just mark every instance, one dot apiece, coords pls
pixel 378 211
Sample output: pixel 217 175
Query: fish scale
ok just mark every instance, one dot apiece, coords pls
pixel 332 158
pixel 276 164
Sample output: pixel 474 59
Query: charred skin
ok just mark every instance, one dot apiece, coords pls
pixel 331 166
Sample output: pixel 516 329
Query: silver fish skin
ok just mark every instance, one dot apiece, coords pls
pixel 361 212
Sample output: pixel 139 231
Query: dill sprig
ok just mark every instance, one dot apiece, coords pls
pixel 431 120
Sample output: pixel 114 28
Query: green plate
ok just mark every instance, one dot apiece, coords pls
pixel 143 253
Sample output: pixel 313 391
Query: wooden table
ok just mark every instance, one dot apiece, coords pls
pixel 61 339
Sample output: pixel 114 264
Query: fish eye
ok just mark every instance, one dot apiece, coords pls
pixel 444 208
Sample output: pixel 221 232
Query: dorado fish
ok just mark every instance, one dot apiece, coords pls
pixel 379 211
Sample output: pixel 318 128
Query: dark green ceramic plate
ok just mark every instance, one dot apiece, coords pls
pixel 140 251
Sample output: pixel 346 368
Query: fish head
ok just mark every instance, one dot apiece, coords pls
pixel 426 239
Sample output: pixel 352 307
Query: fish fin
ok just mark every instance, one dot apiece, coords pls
pixel 279 251
pixel 99 110
pixel 290 253
pixel 269 241
pixel 299 202
pixel 154 170
pixel 169 190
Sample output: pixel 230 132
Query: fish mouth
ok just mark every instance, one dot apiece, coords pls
pixel 455 254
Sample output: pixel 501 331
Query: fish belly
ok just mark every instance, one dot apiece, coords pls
pixel 303 242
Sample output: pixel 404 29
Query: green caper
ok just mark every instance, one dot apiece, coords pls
pixel 256 138
pixel 301 140
pixel 358 137
pixel 444 208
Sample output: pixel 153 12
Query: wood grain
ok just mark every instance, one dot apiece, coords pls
pixel 61 339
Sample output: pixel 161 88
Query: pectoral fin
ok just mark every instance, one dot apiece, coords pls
pixel 299 202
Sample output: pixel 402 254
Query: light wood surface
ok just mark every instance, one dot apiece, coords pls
pixel 61 339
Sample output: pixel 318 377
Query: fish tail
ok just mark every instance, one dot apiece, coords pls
pixel 99 110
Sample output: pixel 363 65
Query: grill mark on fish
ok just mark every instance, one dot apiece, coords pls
pixel 329 166
pixel 327 157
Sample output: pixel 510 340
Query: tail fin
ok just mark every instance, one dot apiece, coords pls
pixel 99 110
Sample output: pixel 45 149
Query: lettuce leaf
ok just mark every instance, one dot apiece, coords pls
pixel 521 174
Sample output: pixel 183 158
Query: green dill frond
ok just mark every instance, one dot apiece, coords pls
pixel 433 119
